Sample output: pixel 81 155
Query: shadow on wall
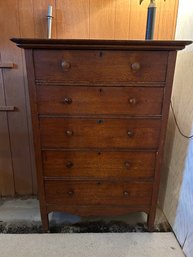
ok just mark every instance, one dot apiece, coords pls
pixel 177 147
pixel 172 170
pixel 183 226
pixel 171 130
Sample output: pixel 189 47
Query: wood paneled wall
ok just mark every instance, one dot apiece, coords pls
pixel 102 19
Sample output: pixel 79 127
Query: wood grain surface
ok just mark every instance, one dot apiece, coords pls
pixel 97 193
pixel 99 164
pixel 123 19
pixel 6 168
pixel 99 133
pixel 100 100
pixel 57 133
pixel 83 67
pixel 13 86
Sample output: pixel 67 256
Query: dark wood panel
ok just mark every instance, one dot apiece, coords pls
pixel 98 193
pixel 27 29
pixel 166 106
pixel 98 44
pixel 83 67
pixel 15 96
pixel 36 136
pixel 99 164
pixel 6 168
pixel 99 100
pixel 96 133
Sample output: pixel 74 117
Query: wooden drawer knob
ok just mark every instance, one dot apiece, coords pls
pixel 132 101
pixel 65 65
pixel 126 194
pixel 70 193
pixel 67 100
pixel 130 133
pixel 100 121
pixel 135 66
pixel 69 164
pixel 128 164
pixel 69 132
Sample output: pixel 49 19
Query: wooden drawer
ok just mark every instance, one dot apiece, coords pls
pixel 99 133
pixel 98 192
pixel 95 164
pixel 100 100
pixel 92 67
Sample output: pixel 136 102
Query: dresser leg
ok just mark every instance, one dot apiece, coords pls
pixel 150 222
pixel 45 222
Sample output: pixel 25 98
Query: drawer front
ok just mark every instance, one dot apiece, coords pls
pixel 95 164
pixel 99 133
pixel 89 67
pixel 97 192
pixel 100 100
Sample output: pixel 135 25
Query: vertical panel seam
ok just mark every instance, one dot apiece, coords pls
pixel 11 154
pixel 25 104
pixel 33 17
pixel 129 18
pixel 3 91
pixel 115 18
pixel 30 138
pixel 89 20
pixel 158 18
pixel 160 15
pixel 55 5
pixel 175 19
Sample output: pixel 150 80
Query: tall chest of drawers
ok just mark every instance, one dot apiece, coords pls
pixel 99 115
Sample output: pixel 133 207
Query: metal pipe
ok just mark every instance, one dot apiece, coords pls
pixel 150 20
pixel 49 17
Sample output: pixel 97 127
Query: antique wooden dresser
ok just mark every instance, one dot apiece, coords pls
pixel 99 115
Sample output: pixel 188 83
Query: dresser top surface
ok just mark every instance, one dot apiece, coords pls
pixel 29 43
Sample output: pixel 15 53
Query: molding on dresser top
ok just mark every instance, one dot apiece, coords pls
pixel 100 44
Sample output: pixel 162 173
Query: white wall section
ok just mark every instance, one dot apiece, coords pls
pixel 176 194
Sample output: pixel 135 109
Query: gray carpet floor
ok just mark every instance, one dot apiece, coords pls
pixel 90 245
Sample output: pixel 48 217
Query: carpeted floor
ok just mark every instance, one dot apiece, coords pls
pixel 80 227
pixel 90 245
pixel 22 216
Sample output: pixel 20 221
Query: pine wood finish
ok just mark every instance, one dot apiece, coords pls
pixel 108 155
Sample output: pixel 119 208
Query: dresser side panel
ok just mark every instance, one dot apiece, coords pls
pixel 165 113
pixel 35 127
